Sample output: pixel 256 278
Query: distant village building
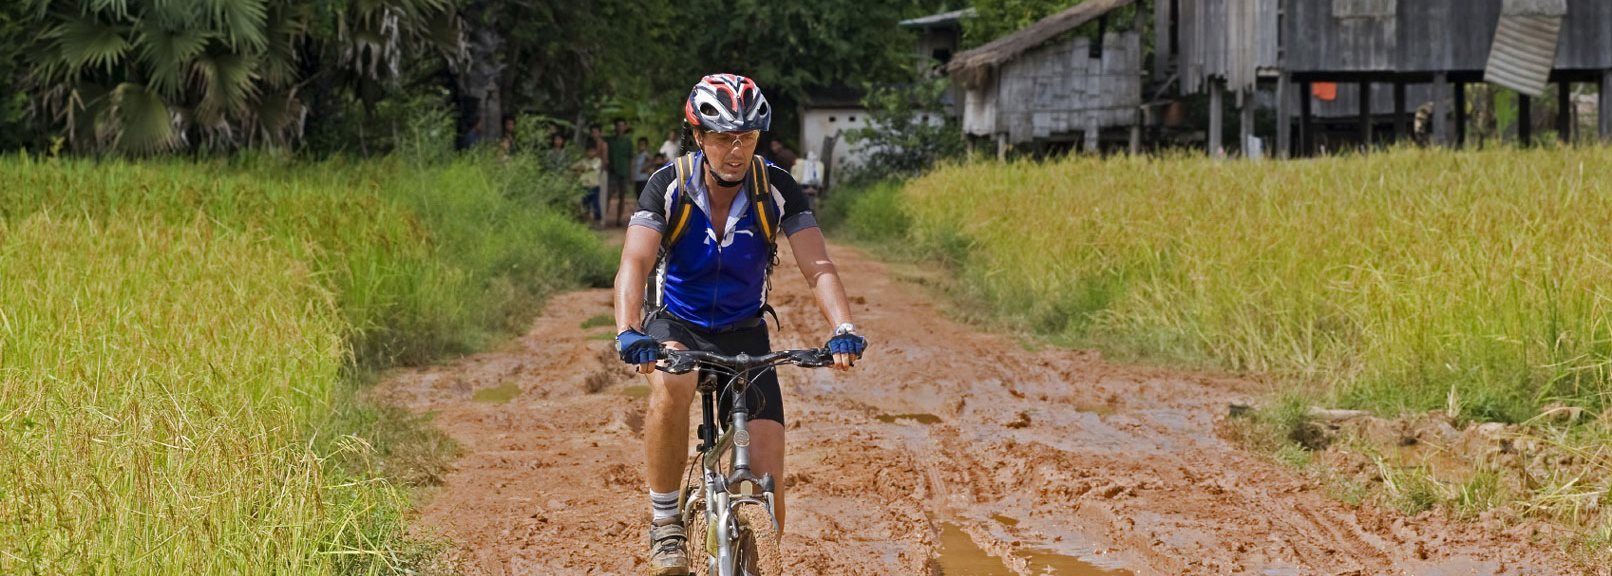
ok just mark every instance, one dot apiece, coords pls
pixel 939 35
pixel 1040 84
pixel 1399 54
pixel 1335 71
pixel 825 116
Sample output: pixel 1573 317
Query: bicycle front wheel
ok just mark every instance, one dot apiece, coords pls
pixel 759 543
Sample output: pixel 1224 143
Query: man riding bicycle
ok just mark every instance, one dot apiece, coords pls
pixel 705 226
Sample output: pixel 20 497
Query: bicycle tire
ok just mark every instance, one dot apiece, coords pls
pixel 699 540
pixel 761 545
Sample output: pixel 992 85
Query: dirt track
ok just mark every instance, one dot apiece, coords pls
pixel 1038 457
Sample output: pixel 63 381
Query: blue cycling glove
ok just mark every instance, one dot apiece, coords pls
pixel 847 342
pixel 636 347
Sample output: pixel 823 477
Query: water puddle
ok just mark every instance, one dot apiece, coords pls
pixel 925 419
pixel 497 394
pixel 1005 520
pixel 1049 562
pixel 639 391
pixel 960 556
pixel 1098 408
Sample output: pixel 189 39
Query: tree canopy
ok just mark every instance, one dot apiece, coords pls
pixel 153 76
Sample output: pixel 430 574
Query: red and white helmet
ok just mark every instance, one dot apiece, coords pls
pixel 727 103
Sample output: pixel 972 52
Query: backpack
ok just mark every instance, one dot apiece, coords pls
pixel 762 204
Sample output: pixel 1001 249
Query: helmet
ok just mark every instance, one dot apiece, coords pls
pixel 727 103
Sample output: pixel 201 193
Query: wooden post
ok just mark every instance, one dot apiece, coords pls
pixel 1284 116
pixel 1400 131
pixel 1441 109
pixel 1093 143
pixel 1306 138
pixel 1246 121
pixel 1525 120
pixel 1459 124
pixel 1603 112
pixel 1365 115
pixel 1564 111
pixel 1001 147
pixel 1136 132
pixel 1216 95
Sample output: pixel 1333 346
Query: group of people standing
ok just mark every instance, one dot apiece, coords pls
pixel 613 168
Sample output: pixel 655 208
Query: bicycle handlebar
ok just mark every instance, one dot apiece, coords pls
pixel 683 361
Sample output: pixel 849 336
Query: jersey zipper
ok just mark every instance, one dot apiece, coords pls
pixel 715 286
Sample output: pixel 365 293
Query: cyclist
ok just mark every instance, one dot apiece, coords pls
pixel 711 288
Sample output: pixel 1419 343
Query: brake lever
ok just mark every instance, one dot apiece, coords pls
pixel 676 364
pixel 815 358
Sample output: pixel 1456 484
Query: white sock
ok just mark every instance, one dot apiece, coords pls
pixel 664 504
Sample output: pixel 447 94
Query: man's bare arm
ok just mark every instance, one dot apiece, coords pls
pixel 637 257
pixel 811 255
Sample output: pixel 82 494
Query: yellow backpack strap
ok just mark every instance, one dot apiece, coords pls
pixel 678 213
pixel 761 198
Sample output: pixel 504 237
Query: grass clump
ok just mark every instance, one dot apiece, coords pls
pixel 1387 280
pixel 182 345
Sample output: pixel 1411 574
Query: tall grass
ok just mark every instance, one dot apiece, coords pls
pixel 177 343
pixel 1395 281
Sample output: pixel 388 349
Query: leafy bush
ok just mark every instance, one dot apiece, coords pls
pixel 906 133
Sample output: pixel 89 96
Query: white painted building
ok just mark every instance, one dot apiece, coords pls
pixel 822 133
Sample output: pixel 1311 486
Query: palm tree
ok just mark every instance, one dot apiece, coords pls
pixel 142 76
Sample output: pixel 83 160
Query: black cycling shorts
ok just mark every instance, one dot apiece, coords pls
pixel 764 399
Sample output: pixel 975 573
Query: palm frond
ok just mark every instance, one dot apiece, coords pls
pixel 115 8
pixel 144 124
pixel 278 116
pixel 241 22
pixel 228 82
pixel 88 42
pixel 285 27
pixel 167 55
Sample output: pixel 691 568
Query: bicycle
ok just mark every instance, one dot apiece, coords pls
pixel 738 541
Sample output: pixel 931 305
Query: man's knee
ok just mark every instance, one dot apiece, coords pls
pixel 672 390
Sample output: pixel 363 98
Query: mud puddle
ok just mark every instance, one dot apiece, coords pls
pixel 925 419
pixel 959 555
pixel 497 394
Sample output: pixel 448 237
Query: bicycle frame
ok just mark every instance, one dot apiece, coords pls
pixel 722 493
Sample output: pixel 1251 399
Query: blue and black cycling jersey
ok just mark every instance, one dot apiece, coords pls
pixel 717 280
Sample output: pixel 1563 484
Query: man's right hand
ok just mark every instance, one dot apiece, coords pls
pixel 638 349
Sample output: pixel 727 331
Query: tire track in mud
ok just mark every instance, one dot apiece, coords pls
pixel 1028 452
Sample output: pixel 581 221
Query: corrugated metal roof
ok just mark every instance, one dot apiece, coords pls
pixel 952 18
pixel 973 66
pixel 1523 53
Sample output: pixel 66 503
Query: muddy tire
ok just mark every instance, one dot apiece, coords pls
pixel 761 548
pixel 698 539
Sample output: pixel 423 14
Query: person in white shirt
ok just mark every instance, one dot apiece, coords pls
pixel 671 148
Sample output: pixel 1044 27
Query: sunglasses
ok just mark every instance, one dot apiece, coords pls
pixel 733 139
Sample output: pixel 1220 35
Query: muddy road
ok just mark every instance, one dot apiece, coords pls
pixel 947 451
